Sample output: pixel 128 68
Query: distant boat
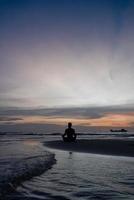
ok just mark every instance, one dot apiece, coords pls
pixel 120 130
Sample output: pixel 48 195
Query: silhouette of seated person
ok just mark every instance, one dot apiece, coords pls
pixel 69 135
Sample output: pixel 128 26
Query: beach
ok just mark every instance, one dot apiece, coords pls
pixel 84 169
pixel 117 147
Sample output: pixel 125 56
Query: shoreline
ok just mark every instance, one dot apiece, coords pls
pixel 115 147
pixel 23 171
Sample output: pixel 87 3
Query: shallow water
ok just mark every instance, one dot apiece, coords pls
pixel 79 176
pixel 83 176
pixel 21 158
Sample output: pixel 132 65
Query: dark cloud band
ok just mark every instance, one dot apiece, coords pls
pixel 77 112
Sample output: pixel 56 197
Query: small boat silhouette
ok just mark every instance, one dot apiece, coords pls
pixel 119 130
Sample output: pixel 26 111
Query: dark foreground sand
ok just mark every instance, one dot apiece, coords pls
pixel 97 146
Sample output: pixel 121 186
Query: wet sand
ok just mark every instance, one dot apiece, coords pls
pixel 98 146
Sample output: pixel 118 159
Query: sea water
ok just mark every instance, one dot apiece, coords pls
pixel 73 176
pixel 21 157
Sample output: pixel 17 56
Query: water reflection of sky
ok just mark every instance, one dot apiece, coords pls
pixel 83 176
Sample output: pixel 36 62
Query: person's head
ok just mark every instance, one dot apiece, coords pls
pixel 69 125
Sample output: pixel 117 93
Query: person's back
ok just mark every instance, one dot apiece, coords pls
pixel 70 132
pixel 69 135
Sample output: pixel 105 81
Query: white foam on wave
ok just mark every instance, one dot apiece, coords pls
pixel 21 158
pixel 14 172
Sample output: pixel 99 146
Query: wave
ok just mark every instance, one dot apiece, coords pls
pixel 109 133
pixel 23 169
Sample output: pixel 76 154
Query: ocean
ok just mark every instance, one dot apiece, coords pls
pixel 29 170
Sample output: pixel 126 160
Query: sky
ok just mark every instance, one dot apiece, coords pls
pixel 67 60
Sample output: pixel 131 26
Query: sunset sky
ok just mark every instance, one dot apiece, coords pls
pixel 67 60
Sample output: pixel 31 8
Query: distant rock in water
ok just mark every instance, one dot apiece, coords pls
pixel 120 130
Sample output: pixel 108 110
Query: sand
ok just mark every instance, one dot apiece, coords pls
pixel 98 146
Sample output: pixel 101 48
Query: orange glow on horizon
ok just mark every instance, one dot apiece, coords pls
pixel 109 120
